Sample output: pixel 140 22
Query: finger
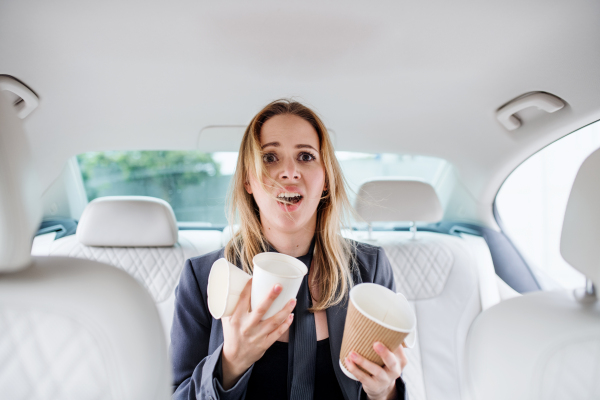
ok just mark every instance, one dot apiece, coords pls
pixel 272 323
pixel 257 314
pixel 365 364
pixel 225 321
pixel 359 374
pixel 273 336
pixel 389 359
pixel 243 304
pixel 402 355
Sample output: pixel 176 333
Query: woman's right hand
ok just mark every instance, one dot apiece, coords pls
pixel 246 337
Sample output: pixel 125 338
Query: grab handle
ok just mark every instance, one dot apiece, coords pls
pixel 543 101
pixel 30 99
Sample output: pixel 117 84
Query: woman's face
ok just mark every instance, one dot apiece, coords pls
pixel 292 157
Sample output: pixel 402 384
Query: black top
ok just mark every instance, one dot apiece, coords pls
pixel 269 375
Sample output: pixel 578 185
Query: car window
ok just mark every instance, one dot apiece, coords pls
pixel 532 201
pixel 196 183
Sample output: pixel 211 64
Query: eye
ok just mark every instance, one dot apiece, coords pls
pixel 269 158
pixel 305 157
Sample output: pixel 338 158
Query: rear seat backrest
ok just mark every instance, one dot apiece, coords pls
pixel 138 235
pixel 437 274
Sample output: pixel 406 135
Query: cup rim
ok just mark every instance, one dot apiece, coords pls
pixel 299 265
pixel 385 325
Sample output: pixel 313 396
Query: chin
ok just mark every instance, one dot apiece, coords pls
pixel 285 225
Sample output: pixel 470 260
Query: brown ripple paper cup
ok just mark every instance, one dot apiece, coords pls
pixel 375 314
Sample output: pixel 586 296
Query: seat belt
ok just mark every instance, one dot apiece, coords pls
pixel 488 285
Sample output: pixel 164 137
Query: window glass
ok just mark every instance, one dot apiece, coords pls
pixel 532 203
pixel 195 183
pixel 360 167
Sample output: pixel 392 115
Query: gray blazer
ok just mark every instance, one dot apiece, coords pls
pixel 197 338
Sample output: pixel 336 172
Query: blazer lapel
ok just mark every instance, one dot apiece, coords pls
pixel 336 318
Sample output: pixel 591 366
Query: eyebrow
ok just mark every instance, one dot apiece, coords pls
pixel 274 144
pixel 298 146
pixel 306 146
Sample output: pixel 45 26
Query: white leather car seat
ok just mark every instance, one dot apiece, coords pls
pixel 139 235
pixel 228 232
pixel 69 329
pixel 438 273
pixel 546 345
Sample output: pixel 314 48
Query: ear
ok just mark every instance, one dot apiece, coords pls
pixel 248 187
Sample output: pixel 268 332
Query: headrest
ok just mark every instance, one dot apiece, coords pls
pixel 228 233
pixel 20 204
pixel 128 221
pixel 398 200
pixel 580 238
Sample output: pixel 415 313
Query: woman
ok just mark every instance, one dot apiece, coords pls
pixel 288 195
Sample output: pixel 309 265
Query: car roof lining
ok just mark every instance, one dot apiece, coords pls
pixel 408 78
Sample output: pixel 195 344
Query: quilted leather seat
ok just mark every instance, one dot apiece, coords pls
pixel 438 275
pixel 546 345
pixel 139 235
pixel 69 329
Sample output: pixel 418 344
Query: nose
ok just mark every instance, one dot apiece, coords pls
pixel 289 170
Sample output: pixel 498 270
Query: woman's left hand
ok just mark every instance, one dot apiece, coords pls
pixel 379 382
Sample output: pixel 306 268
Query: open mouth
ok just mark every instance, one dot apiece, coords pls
pixel 289 198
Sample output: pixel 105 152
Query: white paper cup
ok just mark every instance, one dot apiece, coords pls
pixel 376 314
pixel 225 284
pixel 273 268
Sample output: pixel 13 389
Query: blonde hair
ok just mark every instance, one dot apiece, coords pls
pixel 333 260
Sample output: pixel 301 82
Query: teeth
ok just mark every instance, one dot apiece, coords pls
pixel 288 195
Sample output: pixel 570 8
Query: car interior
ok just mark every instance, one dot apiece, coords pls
pixel 467 132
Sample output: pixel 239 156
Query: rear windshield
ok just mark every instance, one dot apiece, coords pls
pixel 196 183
